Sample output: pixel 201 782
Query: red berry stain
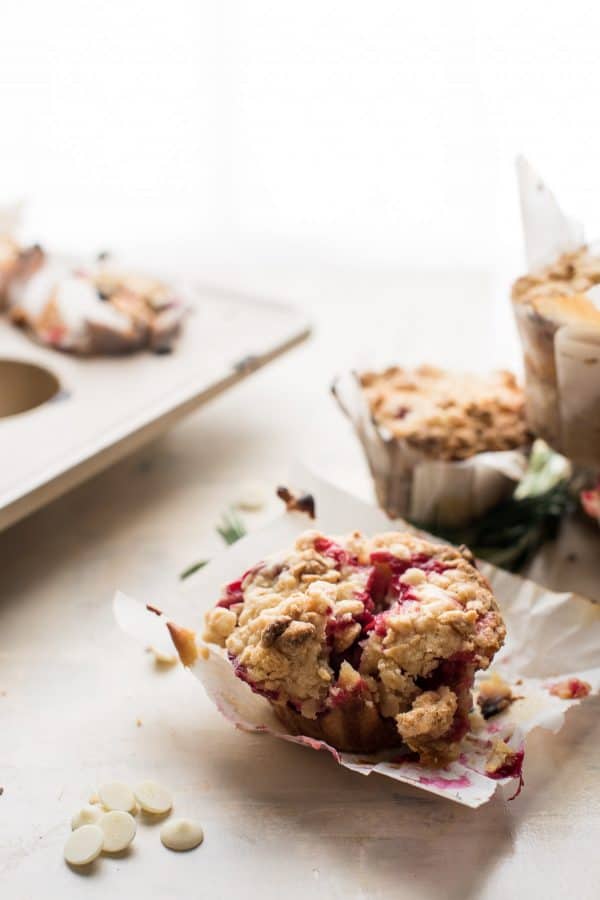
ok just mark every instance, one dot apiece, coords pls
pixel 511 768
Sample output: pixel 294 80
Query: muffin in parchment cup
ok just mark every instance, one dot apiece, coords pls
pixel 365 643
pixel 443 447
pixel 557 310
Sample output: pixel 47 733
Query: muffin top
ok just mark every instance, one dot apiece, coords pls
pixel 558 291
pixel 395 620
pixel 447 415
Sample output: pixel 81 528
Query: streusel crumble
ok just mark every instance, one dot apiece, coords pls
pixel 447 415
pixel 365 643
pixel 559 326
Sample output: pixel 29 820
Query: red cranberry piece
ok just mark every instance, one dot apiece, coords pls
pixel 335 552
pixel 233 595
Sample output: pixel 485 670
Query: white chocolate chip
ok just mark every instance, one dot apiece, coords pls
pixel 153 798
pixel 87 815
pixel 84 845
pixel 181 834
pixel 116 795
pixel 118 829
pixel 250 496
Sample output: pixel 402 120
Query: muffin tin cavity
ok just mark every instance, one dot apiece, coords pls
pixel 24 386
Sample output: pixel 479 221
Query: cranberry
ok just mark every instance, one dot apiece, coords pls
pixel 335 552
pixel 233 595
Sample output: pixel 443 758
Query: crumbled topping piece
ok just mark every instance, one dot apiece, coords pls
pixel 447 416
pixel 570 689
pixel 185 643
pixel 302 503
pixel 494 696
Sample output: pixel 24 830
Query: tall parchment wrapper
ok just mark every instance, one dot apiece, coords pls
pixel 407 484
pixel 561 357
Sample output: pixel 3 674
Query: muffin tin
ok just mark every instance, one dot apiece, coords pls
pixel 62 418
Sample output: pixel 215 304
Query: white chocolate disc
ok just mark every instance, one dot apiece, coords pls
pixel 153 798
pixel 84 845
pixel 87 815
pixel 118 828
pixel 116 795
pixel 181 834
pixel 251 496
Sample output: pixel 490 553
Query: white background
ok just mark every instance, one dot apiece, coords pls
pixel 382 132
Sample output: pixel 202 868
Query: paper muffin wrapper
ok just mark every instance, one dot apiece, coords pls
pixel 551 637
pixel 407 484
pixel 562 364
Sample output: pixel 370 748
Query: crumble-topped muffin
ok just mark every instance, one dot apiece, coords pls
pixel 558 291
pixel 365 643
pixel 447 415
pixel 559 326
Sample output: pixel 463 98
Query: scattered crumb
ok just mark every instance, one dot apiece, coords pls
pixel 163 659
pixel 2 693
pixel 303 503
pixel 154 609
pixel 138 722
pixel 1 791
pixel 571 557
pixel 495 695
pixel 570 689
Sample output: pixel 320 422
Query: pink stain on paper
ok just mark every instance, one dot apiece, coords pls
pixel 446 784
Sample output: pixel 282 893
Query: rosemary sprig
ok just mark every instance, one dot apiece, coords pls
pixel 511 532
pixel 231 528
pixel 195 567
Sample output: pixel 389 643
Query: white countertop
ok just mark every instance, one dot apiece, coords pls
pixel 80 703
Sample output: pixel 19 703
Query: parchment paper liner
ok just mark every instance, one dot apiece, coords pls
pixel 550 637
pixel 432 492
pixel 562 362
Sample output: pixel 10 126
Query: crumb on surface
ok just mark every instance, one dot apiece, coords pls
pixel 570 689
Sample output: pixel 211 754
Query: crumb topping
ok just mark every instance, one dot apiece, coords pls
pixel 447 416
pixel 558 291
pixel 392 621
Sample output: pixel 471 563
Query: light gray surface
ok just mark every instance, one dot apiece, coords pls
pixel 279 819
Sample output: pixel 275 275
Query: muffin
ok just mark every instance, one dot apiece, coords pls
pixel 86 311
pixel 424 432
pixel 559 325
pixel 365 643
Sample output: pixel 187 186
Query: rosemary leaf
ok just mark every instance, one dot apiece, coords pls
pixel 231 528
